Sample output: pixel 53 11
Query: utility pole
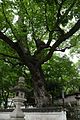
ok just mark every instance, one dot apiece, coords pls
pixel 63 98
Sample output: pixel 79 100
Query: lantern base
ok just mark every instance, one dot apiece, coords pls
pixel 17 113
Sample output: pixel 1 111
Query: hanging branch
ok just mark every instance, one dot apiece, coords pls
pixel 13 65
pixel 9 56
pixel 6 59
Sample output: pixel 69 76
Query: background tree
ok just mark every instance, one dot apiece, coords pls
pixel 8 78
pixel 61 74
pixel 31 31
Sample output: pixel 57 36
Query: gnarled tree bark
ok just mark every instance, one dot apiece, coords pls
pixel 42 98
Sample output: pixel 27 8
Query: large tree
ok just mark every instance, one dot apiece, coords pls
pixel 32 30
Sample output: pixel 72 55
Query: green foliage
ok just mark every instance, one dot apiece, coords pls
pixel 9 75
pixel 18 18
pixel 61 74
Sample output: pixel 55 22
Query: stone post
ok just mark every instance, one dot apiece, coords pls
pixel 17 114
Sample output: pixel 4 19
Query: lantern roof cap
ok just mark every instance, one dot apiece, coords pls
pixel 21 85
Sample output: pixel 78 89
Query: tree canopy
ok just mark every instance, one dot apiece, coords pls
pixel 31 32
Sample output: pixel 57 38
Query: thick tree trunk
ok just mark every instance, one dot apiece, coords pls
pixel 42 98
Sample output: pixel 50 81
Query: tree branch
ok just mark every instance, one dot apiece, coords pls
pixel 31 21
pixel 58 14
pixel 56 27
pixel 7 40
pixel 16 46
pixel 67 35
pixel 74 29
pixel 67 11
pixel 46 17
pixel 24 57
pixel 13 65
pixel 63 50
pixel 33 33
pixel 50 38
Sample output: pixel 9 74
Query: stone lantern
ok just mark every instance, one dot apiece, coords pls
pixel 19 90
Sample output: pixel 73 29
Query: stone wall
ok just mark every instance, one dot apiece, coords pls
pixel 37 114
pixel 71 112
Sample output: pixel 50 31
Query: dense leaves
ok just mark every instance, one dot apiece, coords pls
pixel 61 74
